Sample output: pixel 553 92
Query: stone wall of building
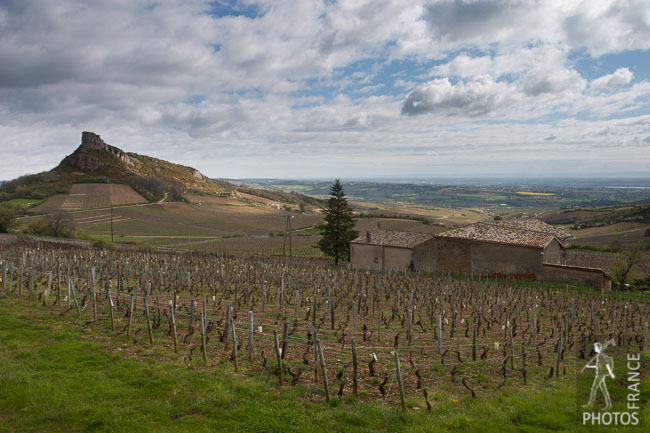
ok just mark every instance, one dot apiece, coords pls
pixel 489 258
pixel 397 258
pixel 365 256
pixel 462 256
pixel 554 253
pixel 443 255
pixel 368 256
pixel 572 274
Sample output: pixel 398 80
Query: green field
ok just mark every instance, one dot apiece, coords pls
pixel 487 194
pixel 24 203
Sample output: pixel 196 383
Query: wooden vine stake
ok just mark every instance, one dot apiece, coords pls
pixel 331 305
pixel 226 331
pixel 316 356
pixel 354 319
pixel 147 313
pixel 11 277
pixel 191 325
pixel 559 356
pixel 31 282
pixel 323 372
pixel 263 297
pixel 234 345
pixel 92 271
pixel 128 324
pixel 410 327
pixel 20 286
pixel 110 303
pixel 204 345
pixel 474 332
pixel 277 355
pixel 355 370
pixel 74 296
pixel 285 338
pixel 398 373
pixel 173 320
pixel 250 335
pixel 439 334
pixel 512 350
pixel 49 287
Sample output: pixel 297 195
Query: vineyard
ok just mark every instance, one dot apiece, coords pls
pixel 405 339
pixel 301 246
pixel 84 196
pixel 603 261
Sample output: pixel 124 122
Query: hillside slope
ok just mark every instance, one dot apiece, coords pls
pixel 95 161
pixel 586 217
pixel 94 157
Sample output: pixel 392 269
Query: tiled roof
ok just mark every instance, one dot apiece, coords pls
pixel 499 233
pixel 535 225
pixel 391 238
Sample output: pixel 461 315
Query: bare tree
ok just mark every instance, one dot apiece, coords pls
pixel 59 225
pixel 623 267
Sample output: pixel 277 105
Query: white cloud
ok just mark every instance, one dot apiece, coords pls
pixel 614 81
pixel 482 94
pixel 477 97
pixel 552 80
pixel 609 26
pixel 303 78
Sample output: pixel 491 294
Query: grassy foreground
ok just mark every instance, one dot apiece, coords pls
pixel 57 376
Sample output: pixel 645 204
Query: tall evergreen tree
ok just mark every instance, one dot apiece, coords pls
pixel 338 227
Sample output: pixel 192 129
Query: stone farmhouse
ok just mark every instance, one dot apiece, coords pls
pixel 524 248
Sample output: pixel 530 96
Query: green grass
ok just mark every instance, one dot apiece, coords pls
pixel 58 376
pixel 22 202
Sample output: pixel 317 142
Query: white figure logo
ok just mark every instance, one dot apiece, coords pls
pixel 604 366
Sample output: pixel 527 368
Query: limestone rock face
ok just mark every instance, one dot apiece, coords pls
pixel 96 158
pixel 90 140
pixel 87 158
pixel 198 175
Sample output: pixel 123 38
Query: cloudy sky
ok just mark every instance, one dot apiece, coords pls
pixel 321 89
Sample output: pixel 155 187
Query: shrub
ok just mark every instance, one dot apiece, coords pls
pixel 7 218
pixel 176 193
pixel 150 187
pixel 58 225
pixel 145 247
pixel 37 227
pixel 103 244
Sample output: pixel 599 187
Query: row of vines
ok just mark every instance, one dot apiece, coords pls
pixel 394 336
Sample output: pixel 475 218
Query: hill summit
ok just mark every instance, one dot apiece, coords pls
pixel 94 157
pixel 95 161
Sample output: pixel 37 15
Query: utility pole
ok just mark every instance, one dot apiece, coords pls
pixel 112 224
pixel 287 233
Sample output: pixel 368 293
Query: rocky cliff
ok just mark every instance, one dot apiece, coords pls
pixel 96 158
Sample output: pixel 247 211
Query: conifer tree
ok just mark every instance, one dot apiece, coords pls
pixel 338 227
